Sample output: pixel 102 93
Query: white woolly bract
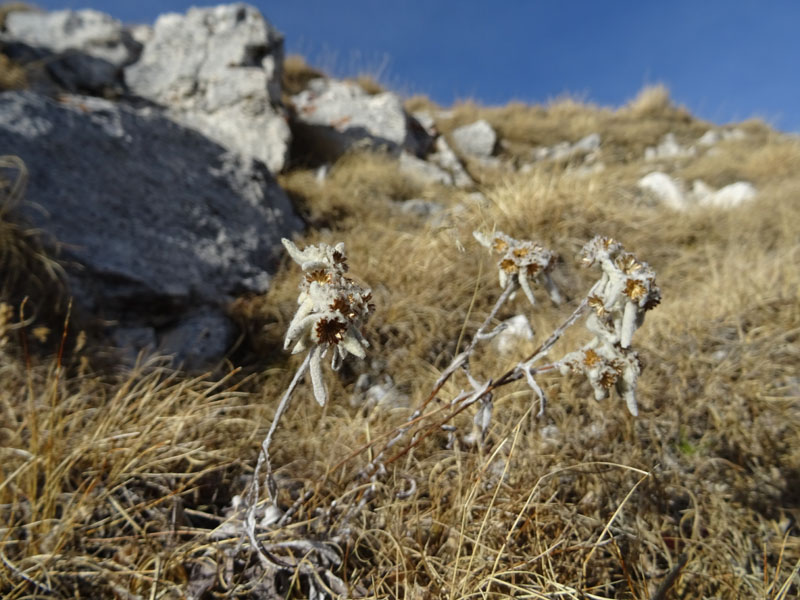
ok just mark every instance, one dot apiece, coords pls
pixel 618 301
pixel 317 381
pixel 332 309
pixel 522 261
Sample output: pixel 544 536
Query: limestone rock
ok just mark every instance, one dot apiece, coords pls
pixel 714 136
pixel 421 208
pixel 665 189
pixel 370 392
pixel 423 171
pixel 587 144
pixel 709 138
pixel 668 148
pixel 218 71
pixel 89 48
pixel 516 330
pixel 476 139
pixel 153 219
pixel 670 192
pixel 444 157
pixel 334 116
pixel 585 147
pixel 427 122
pixel 729 196
pixel 199 338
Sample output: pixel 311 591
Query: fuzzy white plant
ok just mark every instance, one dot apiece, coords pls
pixel 618 302
pixel 522 262
pixel 332 310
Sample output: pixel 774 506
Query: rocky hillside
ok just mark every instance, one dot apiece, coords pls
pixel 151 156
pixel 148 175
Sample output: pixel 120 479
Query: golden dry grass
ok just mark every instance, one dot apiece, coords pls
pixel 651 101
pixel 296 74
pixel 112 485
pixel 27 272
pixel 12 75
pixel 625 132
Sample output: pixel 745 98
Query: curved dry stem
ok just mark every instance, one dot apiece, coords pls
pixel 263 461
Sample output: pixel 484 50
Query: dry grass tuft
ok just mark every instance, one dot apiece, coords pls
pixel 122 485
pixel 369 84
pixel 761 160
pixel 12 75
pixel 26 268
pixel 625 132
pixel 358 185
pixel 420 103
pixel 296 74
pixel 651 101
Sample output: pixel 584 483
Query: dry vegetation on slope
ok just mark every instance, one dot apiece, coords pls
pixel 117 485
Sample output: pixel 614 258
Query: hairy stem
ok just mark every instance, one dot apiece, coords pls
pixel 263 458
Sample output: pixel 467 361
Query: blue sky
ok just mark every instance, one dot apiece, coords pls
pixel 726 60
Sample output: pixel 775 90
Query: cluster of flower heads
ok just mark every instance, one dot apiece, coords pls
pixel 618 302
pixel 332 310
pixel 521 262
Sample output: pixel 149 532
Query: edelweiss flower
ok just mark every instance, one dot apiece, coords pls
pixel 618 301
pixel 626 290
pixel 606 367
pixel 522 261
pixel 332 310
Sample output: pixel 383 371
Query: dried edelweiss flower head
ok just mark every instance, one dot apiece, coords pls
pixel 626 290
pixel 522 261
pixel 332 310
pixel 618 301
pixel 606 367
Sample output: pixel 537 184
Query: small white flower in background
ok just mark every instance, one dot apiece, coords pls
pixel 618 301
pixel 332 310
pixel 522 261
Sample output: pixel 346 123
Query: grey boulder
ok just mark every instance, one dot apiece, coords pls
pixel 154 220
pixel 332 117
pixel 423 171
pixel 444 157
pixel 218 70
pixel 476 139
pixel 85 49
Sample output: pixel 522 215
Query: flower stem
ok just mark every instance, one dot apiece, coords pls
pixel 263 458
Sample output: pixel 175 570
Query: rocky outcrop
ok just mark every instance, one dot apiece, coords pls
pixel 669 148
pixel 155 222
pixel 664 189
pixel 714 136
pixel 444 158
pixel 218 70
pixel 423 171
pixel 477 139
pixel 83 50
pixel 585 148
pixel 332 117
pixel 729 196
pixel 671 192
